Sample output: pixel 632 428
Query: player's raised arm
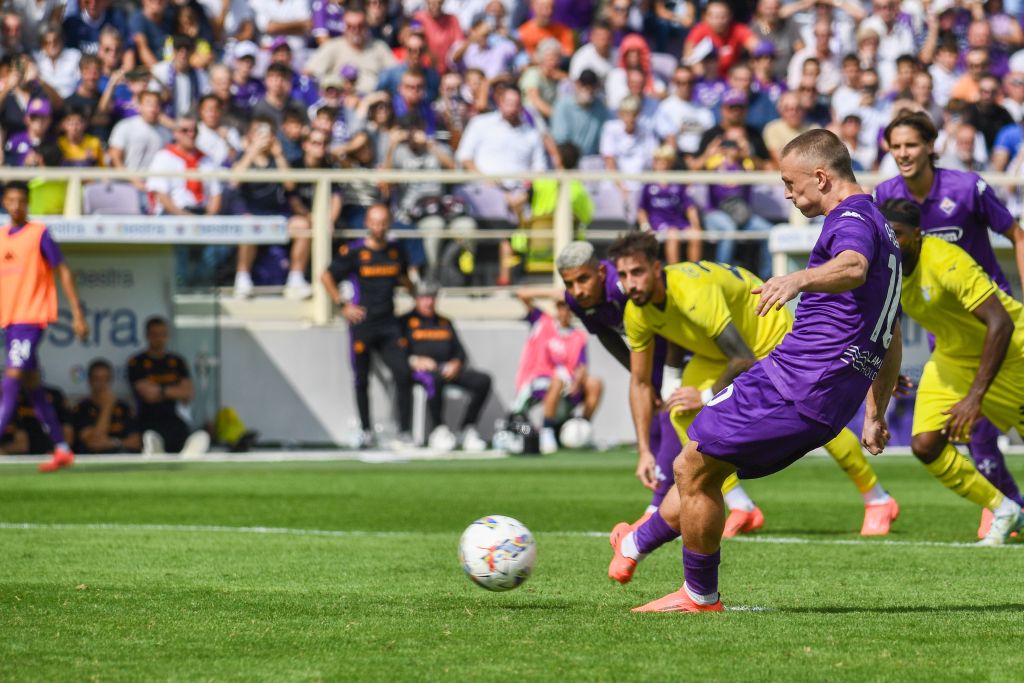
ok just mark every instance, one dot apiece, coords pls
pixel 641 402
pixel 67 281
pixel 848 270
pixel 998 332
pixel 875 435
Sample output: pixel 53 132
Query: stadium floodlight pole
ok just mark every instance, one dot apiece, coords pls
pixel 320 251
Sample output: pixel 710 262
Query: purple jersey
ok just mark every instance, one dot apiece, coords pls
pixel 246 95
pixel 719 193
pixel 608 315
pixel 328 19
pixel 826 364
pixel 665 205
pixel 18 147
pixel 960 208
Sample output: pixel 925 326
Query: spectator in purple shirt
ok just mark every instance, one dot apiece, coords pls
pixel 246 91
pixel 38 116
pixel 485 49
pixel 328 20
pixel 304 87
pixel 412 99
pixel 667 210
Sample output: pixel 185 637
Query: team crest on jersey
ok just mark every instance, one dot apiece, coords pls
pixel 851 214
pixel 947 205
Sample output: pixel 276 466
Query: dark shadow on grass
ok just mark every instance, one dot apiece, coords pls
pixel 903 609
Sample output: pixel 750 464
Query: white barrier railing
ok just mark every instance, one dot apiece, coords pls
pixel 322 230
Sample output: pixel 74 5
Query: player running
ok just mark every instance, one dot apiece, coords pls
pixel 32 262
pixel 596 296
pixel 977 367
pixel 960 208
pixel 709 308
pixel 846 340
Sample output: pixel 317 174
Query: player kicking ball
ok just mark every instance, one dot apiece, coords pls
pixel 709 308
pixel 28 303
pixel 845 344
pixel 976 369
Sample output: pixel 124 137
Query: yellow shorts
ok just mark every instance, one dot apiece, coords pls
pixel 944 383
pixel 701 372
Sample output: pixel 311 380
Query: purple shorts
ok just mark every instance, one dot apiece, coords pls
pixel 666 447
pixel 22 346
pixel 750 425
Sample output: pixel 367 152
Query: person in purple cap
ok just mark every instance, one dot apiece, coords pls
pixel 845 344
pixel 961 208
pixel 38 116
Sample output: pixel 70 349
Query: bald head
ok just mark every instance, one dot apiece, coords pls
pixel 817 172
pixel 822 149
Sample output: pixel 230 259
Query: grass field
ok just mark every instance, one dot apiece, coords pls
pixel 159 572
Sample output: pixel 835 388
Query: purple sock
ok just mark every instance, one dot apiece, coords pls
pixel 47 416
pixel 701 571
pixel 653 533
pixel 9 401
pixel 990 462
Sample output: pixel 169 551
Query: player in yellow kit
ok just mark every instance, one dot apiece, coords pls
pixel 709 309
pixel 976 369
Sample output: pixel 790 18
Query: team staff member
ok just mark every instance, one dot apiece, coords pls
pixel 160 380
pixel 103 423
pixel 977 367
pixel 959 207
pixel 437 358
pixel 375 266
pixel 32 262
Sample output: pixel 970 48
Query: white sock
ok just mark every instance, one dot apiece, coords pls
pixel 628 548
pixel 876 496
pixel 243 278
pixel 737 499
pixel 651 509
pixel 701 599
pixel 1006 507
pixel 296 279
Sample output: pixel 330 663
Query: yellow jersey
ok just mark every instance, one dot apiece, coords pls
pixel 941 293
pixel 701 300
pixel 89 152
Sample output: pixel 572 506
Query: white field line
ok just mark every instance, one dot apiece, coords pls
pixel 343 533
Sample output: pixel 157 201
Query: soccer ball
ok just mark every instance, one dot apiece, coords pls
pixel 575 433
pixel 497 552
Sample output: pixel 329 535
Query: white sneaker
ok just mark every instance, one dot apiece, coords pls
pixel 548 442
pixel 366 439
pixel 402 442
pixel 297 288
pixel 243 285
pixel 196 445
pixel 1003 526
pixel 471 440
pixel 442 439
pixel 152 444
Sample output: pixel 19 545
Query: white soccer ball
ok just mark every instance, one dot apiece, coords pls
pixel 497 552
pixel 576 433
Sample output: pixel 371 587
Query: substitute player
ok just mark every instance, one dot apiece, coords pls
pixel 977 367
pixel 376 266
pixel 597 297
pixel 709 308
pixel 32 262
pixel 845 340
pixel 960 208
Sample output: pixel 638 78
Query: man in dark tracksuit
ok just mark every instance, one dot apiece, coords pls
pixel 374 266
pixel 437 359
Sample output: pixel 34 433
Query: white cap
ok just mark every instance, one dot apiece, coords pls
pixel 245 48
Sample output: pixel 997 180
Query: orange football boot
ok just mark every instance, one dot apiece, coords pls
pixel 621 568
pixel 62 457
pixel 878 518
pixel 743 522
pixel 679 601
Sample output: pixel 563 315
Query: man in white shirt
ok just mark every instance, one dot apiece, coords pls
pixel 627 144
pixel 57 64
pixel 357 48
pixel 219 143
pixel 598 54
pixel 181 196
pixel 136 140
pixel 678 120
pixel 292 19
pixel 896 37
pixel 502 141
pixel 830 63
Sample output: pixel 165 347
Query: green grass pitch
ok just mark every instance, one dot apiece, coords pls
pixel 143 573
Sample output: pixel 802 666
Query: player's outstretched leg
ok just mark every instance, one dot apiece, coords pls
pixel 988 459
pixel 47 416
pixel 958 474
pixel 699 480
pixel 880 509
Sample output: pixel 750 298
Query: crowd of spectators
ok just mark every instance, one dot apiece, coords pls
pixel 497 86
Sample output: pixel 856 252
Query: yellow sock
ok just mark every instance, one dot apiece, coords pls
pixel 957 474
pixel 846 451
pixel 731 482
